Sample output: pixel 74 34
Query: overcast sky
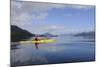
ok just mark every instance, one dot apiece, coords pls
pixel 37 17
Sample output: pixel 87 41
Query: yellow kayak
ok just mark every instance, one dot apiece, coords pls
pixel 39 41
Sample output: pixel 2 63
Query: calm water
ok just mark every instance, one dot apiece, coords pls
pixel 66 49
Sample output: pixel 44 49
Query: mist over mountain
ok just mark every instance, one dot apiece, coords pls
pixel 90 34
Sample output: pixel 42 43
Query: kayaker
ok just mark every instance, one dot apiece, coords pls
pixel 36 39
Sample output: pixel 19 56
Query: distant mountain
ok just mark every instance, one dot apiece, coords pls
pixel 18 34
pixel 48 35
pixel 90 34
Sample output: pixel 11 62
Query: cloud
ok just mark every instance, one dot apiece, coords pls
pixel 42 28
pixel 83 7
pixel 23 14
pixel 40 16
pixel 31 7
pixel 32 15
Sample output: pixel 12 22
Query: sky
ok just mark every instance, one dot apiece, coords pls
pixel 39 17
